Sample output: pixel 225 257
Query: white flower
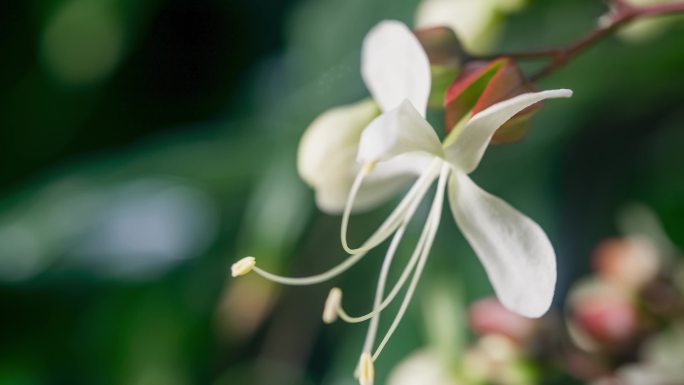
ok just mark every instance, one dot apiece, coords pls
pixel 400 145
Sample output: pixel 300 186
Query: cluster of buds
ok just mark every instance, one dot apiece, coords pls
pixel 509 350
pixel 622 325
pixel 615 317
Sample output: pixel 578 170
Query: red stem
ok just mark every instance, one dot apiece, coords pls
pixel 661 9
pixel 621 14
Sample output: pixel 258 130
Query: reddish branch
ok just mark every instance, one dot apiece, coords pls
pixel 622 13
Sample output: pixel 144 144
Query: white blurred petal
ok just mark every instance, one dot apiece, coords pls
pixel 385 181
pixel 326 160
pixel 515 251
pixel 399 131
pixel 472 20
pixel 395 66
pixel 642 374
pixel 477 23
pixel 470 144
pixel 329 144
pixel 421 368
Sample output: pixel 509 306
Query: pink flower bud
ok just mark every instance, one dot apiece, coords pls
pixel 630 262
pixel 602 314
pixel 488 316
pixel 607 320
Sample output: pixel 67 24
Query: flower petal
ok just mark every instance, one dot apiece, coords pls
pixel 395 66
pixel 330 143
pixel 398 131
pixel 516 253
pixel 472 141
pixel 385 181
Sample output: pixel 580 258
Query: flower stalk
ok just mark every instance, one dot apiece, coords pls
pixel 622 13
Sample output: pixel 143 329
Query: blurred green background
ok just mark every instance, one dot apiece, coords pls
pixel 147 145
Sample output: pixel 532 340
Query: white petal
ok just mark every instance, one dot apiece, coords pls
pixel 330 141
pixel 326 160
pixel 398 131
pixel 515 251
pixel 395 66
pixel 471 143
pixel 384 182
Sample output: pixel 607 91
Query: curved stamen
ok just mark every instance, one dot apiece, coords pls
pixel 417 191
pixel 380 289
pixel 314 279
pixel 395 290
pixel 379 305
pixel 404 209
pixel 433 224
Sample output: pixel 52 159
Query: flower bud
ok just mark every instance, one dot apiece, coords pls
pixel 489 316
pixel 630 262
pixel 602 315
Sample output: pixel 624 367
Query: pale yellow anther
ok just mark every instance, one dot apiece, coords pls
pixel 243 266
pixel 366 370
pixel 368 167
pixel 332 304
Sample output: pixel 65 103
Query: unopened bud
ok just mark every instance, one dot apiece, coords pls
pixel 489 316
pixel 602 315
pixel 630 262
pixel 243 266
pixel 332 304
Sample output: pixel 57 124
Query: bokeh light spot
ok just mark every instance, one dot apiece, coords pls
pixel 82 43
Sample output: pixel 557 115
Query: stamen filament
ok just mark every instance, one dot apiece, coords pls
pixel 379 306
pixel 432 225
pixel 314 279
pixel 418 190
pixel 380 289
pixel 390 224
pixel 395 290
